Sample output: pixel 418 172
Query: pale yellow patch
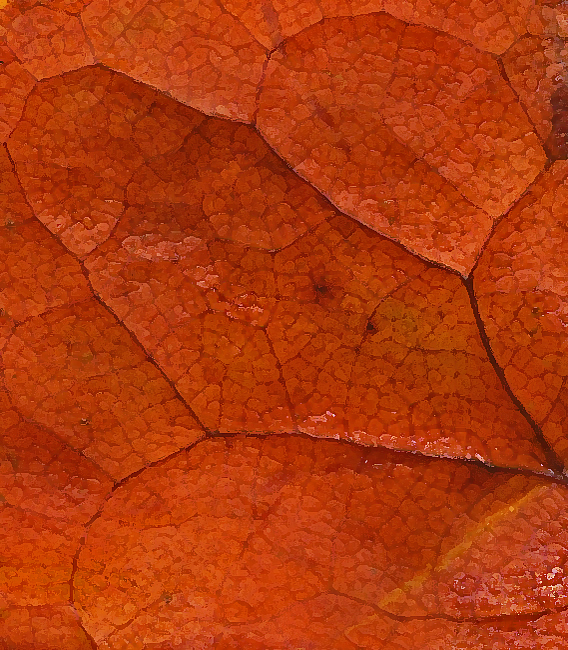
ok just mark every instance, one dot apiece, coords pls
pixel 398 594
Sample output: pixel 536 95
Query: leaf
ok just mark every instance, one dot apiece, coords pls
pixel 282 325
pixel 408 130
pixel 244 533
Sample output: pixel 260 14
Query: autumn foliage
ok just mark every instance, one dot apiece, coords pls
pixel 283 325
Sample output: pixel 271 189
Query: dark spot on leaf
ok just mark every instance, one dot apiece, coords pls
pixel 557 142
pixel 14 461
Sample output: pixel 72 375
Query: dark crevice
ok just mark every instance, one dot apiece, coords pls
pixel 293 415
pixel 81 543
pixel 89 637
pixel 406 22
pixel 96 296
pixel 125 25
pixel 149 357
pixel 98 513
pixel 477 620
pixel 46 312
pixel 353 217
pixel 87 37
pixel 16 324
pixel 557 142
pixel 548 477
pixel 556 401
pixel 524 199
pixel 504 74
pixel 22 114
pixel 91 640
pixel 339 211
pixel 64 443
pixel 310 231
pixel 260 87
pixel 164 93
pixel 155 463
pixel 226 11
pixel 552 459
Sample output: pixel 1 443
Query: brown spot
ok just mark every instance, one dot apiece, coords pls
pixel 557 141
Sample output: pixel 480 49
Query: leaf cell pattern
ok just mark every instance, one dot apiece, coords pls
pixel 283 325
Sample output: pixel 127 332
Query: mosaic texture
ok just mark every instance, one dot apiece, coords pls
pixel 283 325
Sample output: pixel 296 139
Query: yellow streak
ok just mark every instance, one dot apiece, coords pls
pixel 3 4
pixel 397 595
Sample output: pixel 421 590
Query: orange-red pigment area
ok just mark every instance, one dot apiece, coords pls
pixel 283 325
